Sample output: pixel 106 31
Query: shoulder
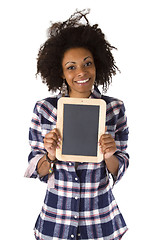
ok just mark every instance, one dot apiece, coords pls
pixel 50 101
pixel 112 102
pixel 47 103
pixel 47 107
pixel 115 110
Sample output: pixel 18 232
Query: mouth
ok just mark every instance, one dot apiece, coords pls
pixel 83 81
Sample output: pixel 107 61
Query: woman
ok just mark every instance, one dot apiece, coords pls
pixel 79 203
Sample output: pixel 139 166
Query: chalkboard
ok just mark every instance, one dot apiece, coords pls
pixel 81 121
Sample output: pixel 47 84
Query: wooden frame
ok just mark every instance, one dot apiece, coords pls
pixel 101 104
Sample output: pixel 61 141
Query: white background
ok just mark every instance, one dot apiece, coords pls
pixel 132 27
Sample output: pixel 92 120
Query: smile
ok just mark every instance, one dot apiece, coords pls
pixel 83 81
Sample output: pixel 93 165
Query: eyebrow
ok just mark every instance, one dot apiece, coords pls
pixel 83 60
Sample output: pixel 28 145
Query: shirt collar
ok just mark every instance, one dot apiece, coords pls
pixel 95 93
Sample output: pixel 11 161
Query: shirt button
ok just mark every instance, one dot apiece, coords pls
pixel 75 217
pixel 72 236
pixel 76 179
pixel 79 234
pixel 76 197
pixel 70 163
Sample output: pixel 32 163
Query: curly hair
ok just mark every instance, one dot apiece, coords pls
pixel 71 34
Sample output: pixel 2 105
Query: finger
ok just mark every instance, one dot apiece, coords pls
pixel 103 136
pixel 106 140
pixel 54 141
pixel 53 133
pixel 111 149
pixel 51 136
pixel 56 131
pixel 49 140
pixel 49 146
pixel 107 146
pixel 107 143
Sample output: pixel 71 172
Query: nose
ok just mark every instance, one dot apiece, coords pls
pixel 81 72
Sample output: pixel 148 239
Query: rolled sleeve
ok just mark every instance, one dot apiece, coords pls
pixel 117 127
pixel 37 146
pixel 121 139
pixel 123 164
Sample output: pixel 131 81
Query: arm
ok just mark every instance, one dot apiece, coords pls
pixel 38 150
pixel 114 147
pixel 112 164
pixel 43 167
pixel 51 142
pixel 108 148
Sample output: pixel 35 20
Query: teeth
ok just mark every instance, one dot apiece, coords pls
pixel 83 81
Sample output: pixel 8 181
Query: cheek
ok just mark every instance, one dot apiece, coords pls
pixel 69 79
pixel 66 75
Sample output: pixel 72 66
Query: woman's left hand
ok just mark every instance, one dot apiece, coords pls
pixel 107 145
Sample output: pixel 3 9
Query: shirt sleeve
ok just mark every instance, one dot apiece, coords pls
pixel 37 146
pixel 121 139
pixel 120 134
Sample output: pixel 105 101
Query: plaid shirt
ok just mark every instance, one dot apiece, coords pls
pixel 79 203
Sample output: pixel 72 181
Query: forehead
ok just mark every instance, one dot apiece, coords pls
pixel 76 54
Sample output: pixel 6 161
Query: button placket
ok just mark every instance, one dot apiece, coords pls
pixel 75 204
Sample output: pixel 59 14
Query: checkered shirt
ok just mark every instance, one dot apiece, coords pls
pixel 79 203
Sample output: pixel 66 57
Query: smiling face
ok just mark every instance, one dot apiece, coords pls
pixel 79 71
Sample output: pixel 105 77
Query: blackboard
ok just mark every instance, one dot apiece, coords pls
pixel 80 121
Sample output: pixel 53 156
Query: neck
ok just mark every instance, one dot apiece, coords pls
pixel 80 95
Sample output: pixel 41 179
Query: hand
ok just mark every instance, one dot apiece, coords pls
pixel 107 145
pixel 51 142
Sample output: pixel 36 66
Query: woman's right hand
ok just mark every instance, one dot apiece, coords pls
pixel 52 141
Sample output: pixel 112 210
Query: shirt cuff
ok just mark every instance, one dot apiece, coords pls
pixel 32 168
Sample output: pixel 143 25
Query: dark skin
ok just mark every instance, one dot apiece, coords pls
pixel 79 71
pixel 51 142
pixel 108 148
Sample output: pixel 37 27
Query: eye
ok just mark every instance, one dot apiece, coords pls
pixel 71 68
pixel 87 64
